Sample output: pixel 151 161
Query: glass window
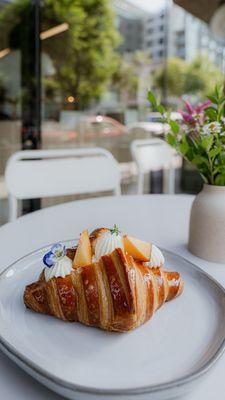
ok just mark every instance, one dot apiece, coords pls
pixel 64 64
pixel 12 104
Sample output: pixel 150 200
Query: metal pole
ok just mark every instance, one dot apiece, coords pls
pixel 31 85
pixel 31 77
pixel 38 70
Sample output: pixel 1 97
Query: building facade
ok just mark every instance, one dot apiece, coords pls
pixel 130 24
pixel 175 33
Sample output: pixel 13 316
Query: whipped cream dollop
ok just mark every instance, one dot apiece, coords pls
pixel 57 263
pixel 106 243
pixel 157 259
pixel 61 268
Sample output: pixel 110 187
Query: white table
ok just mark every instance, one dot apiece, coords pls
pixel 160 218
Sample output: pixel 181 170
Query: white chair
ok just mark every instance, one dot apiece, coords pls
pixel 46 173
pixel 153 155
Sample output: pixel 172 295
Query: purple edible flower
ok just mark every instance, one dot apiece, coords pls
pixel 51 257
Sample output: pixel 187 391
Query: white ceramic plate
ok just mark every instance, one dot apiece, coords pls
pixel 163 358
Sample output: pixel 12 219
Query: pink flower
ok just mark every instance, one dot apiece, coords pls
pixel 201 107
pixel 189 107
pixel 194 115
pixel 188 119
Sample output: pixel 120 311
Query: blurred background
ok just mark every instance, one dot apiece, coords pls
pixel 76 73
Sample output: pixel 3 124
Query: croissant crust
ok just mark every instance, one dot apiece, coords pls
pixel 115 293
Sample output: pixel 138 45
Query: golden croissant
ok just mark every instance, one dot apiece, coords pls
pixel 116 293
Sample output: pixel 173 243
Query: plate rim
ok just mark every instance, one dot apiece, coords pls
pixel 13 353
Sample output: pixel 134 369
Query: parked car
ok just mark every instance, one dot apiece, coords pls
pixel 153 126
pixel 88 130
pixel 100 126
pixel 156 116
pixel 148 129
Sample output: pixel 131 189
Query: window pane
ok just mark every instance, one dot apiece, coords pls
pixel 10 95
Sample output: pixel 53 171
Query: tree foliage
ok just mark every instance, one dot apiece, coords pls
pixel 125 80
pixel 84 56
pixel 197 77
pixel 202 75
pixel 174 75
pixel 127 75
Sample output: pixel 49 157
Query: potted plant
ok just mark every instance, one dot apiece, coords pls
pixel 200 139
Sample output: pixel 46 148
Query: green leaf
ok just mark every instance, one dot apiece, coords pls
pixel 213 99
pixel 190 154
pixel 217 91
pixel 221 169
pixel 207 142
pixel 199 160
pixel 161 109
pixel 211 113
pixel 220 180
pixel 220 113
pixel 184 146
pixel 214 152
pixel 215 171
pixel 152 99
pixel 222 100
pixel 171 140
pixel 174 126
pixel 222 156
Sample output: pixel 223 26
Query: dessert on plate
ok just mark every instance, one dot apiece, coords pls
pixel 108 281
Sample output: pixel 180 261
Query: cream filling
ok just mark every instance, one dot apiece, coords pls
pixel 106 243
pixel 157 259
pixel 61 268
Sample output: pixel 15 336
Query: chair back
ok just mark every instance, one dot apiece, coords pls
pixel 34 174
pixel 151 154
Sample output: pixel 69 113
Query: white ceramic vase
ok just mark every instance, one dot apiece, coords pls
pixel 207 224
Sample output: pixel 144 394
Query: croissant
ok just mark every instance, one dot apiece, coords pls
pixel 115 294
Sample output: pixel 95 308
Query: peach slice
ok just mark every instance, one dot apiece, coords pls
pixel 83 254
pixel 138 249
pixel 95 235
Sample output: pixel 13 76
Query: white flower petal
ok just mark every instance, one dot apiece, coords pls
pixel 62 268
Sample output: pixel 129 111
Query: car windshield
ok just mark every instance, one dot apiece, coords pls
pixel 99 127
